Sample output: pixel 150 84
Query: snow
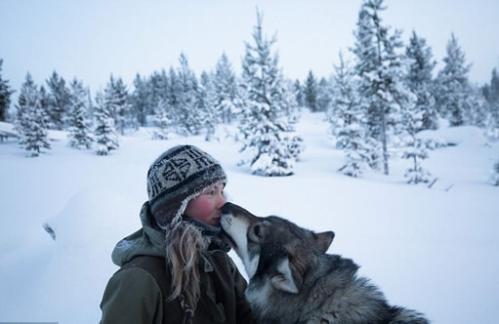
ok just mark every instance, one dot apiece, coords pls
pixel 7 131
pixel 434 250
pixel 6 127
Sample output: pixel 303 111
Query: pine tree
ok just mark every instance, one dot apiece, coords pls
pixel 291 106
pixel 419 79
pixel 31 121
pixel 117 101
pixel 453 84
pixel 299 91
pixel 225 89
pixel 157 88
pixel 173 96
pixel 380 70
pixel 292 115
pixel 494 178
pixel 105 135
pixel 310 92
pixel 162 120
pixel 268 140
pixel 415 150
pixel 347 121
pixel 491 94
pixel 189 115
pixel 58 102
pixel 5 93
pixel 79 125
pixel 324 95
pixel 45 103
pixel 141 99
pixel 344 109
pixel 207 100
pixel 494 87
pixel 477 110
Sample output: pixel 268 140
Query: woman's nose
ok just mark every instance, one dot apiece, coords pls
pixel 220 200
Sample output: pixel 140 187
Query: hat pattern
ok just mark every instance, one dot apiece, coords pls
pixel 179 173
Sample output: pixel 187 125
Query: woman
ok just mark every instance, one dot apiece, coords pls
pixel 175 269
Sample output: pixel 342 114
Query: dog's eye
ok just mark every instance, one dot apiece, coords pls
pixel 256 232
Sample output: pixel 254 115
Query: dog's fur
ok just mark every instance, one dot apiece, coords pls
pixel 293 280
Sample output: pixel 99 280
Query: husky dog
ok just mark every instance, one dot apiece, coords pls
pixel 293 280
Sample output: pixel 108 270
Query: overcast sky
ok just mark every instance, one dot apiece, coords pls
pixel 93 38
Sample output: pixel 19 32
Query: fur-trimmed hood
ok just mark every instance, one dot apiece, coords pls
pixel 149 240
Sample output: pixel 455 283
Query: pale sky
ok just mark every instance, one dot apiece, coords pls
pixel 93 38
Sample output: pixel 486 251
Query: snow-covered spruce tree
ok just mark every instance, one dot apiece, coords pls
pixel 491 94
pixel 380 69
pixel 173 95
pixel 344 100
pixel 225 89
pixel 31 122
pixel 268 139
pixel 140 99
pixel 58 101
pixel 105 135
pixel 494 96
pixel 292 113
pixel 117 101
pixel 415 150
pixel 419 79
pixel 477 112
pixel 78 121
pixel 157 87
pixel 452 84
pixel 310 92
pixel 291 106
pixel 45 103
pixel 494 178
pixel 207 100
pixel 324 95
pixel 300 96
pixel 187 106
pixel 162 120
pixel 347 121
pixel 5 93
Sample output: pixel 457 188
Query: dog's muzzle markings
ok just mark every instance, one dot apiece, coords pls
pixel 293 280
pixel 236 227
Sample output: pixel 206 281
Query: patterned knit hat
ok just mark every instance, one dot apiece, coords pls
pixel 178 176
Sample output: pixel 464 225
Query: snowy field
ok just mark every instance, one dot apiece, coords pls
pixel 435 250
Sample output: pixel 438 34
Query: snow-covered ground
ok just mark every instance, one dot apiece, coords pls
pixel 435 250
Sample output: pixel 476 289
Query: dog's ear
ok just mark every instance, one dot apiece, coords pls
pixel 285 278
pixel 258 231
pixel 324 240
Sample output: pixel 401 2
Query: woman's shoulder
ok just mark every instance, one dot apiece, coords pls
pixel 138 290
pixel 133 278
pixel 146 265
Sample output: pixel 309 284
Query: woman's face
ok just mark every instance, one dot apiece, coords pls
pixel 207 206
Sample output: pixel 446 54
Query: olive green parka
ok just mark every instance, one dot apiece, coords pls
pixel 138 292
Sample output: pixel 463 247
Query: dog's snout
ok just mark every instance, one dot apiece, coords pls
pixel 226 221
pixel 237 211
pixel 227 208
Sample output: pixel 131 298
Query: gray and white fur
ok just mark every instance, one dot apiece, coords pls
pixel 293 280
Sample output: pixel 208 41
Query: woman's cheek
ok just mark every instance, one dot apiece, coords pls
pixel 201 209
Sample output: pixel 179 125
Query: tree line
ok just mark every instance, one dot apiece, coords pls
pixel 383 98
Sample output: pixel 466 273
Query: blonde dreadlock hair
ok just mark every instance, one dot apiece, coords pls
pixel 184 245
pixel 175 178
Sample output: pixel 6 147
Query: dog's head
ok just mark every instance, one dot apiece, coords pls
pixel 273 250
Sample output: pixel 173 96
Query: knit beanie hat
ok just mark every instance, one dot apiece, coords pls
pixel 178 176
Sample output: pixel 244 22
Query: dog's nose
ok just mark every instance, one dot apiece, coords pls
pixel 227 208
